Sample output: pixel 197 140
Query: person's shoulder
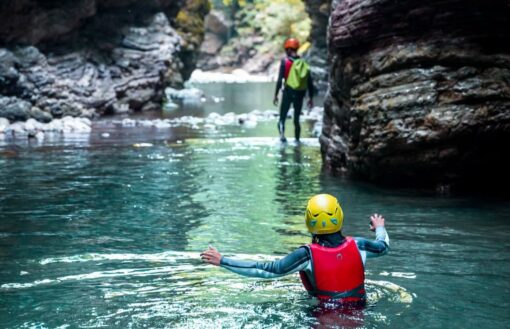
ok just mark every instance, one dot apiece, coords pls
pixel 360 241
pixel 304 249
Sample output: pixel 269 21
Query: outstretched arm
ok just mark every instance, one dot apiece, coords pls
pixel 295 261
pixel 379 246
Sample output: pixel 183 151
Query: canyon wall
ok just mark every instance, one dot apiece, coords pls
pixel 317 56
pixel 419 91
pixel 90 57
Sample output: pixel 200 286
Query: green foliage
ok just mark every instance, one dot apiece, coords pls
pixel 275 20
pixel 234 3
pixel 189 22
pixel 190 19
pixel 283 19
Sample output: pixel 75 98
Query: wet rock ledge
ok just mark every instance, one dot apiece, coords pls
pixel 89 57
pixel 419 91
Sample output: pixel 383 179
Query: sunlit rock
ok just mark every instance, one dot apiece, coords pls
pixel 16 129
pixel 184 94
pixel 138 145
pixel 161 124
pixel 248 120
pixel 33 126
pixel 211 122
pixel 39 136
pixel 238 76
pixel 128 122
pixel 4 123
pixel 76 125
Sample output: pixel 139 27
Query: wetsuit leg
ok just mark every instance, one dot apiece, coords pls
pixel 298 105
pixel 284 109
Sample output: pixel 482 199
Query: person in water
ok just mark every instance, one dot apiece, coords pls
pixel 293 93
pixel 331 267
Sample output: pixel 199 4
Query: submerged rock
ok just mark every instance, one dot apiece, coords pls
pixel 3 124
pixel 183 94
pixel 69 126
pixel 419 92
pixel 214 120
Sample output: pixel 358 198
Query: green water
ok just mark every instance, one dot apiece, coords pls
pixel 97 233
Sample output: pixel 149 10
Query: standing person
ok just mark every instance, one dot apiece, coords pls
pixel 296 74
pixel 331 267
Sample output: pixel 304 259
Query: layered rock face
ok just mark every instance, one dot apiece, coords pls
pixel 317 56
pixel 79 58
pixel 419 91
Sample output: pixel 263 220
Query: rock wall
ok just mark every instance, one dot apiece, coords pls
pixel 218 29
pixel 233 43
pixel 419 91
pixel 317 56
pixel 88 57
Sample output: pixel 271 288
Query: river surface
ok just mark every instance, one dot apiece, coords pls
pixel 104 231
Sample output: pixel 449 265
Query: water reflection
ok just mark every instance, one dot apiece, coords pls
pixel 294 182
pixel 333 316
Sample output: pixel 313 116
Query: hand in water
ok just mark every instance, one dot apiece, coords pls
pixel 211 256
pixel 376 221
pixel 275 101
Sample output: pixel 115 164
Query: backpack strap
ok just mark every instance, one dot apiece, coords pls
pixel 287 62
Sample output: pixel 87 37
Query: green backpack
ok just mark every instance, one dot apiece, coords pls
pixel 298 75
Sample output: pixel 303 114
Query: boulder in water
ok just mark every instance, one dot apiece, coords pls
pixel 187 94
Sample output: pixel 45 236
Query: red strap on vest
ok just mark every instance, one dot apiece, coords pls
pixel 338 272
pixel 288 64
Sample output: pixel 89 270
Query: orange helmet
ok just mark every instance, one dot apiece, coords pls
pixel 291 43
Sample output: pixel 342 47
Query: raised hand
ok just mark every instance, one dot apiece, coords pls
pixel 376 221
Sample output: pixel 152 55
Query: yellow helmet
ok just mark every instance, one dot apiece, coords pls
pixel 324 214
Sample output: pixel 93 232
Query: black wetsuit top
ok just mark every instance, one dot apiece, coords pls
pixel 301 260
pixel 281 77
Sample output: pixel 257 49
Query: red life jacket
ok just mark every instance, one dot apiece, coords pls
pixel 338 273
pixel 288 64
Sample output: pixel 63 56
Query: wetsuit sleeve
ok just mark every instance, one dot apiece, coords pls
pixel 293 262
pixel 281 73
pixel 374 248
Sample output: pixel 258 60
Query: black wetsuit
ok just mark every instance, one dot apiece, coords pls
pixel 291 97
pixel 301 259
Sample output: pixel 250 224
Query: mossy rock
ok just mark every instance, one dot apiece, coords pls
pixel 189 21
